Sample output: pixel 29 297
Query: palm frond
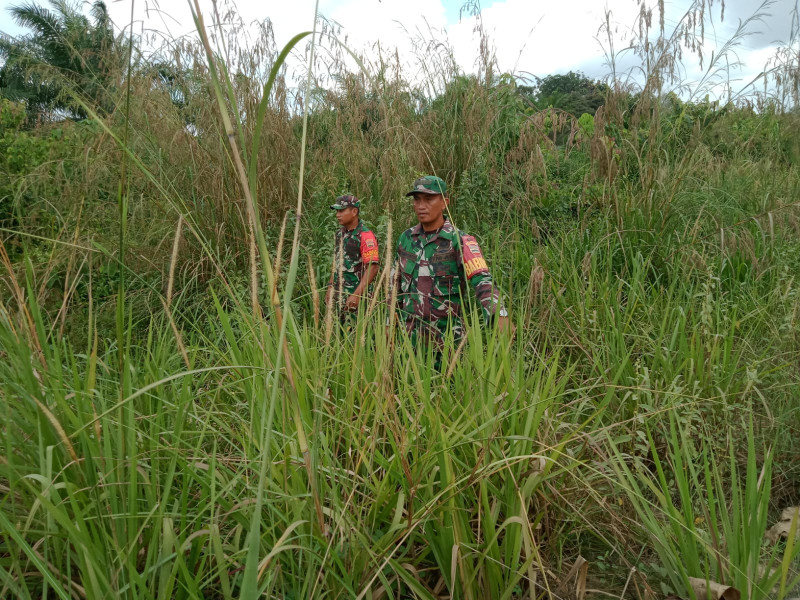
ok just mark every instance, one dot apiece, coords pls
pixel 43 22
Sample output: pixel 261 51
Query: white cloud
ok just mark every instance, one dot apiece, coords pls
pixel 391 22
pixel 541 38
pixel 173 20
pixel 529 36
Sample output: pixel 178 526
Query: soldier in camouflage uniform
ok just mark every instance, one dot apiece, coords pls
pixel 434 263
pixel 355 259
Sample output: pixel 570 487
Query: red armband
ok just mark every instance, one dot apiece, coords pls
pixel 474 263
pixel 369 247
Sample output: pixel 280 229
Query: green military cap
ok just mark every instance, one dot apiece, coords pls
pixel 429 184
pixel 346 201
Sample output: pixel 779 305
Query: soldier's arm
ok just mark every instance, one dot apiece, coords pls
pixel 369 256
pixel 480 279
pixel 369 277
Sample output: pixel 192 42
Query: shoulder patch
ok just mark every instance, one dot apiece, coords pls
pixel 474 263
pixel 369 247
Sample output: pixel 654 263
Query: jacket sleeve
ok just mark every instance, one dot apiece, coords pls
pixel 369 247
pixel 480 279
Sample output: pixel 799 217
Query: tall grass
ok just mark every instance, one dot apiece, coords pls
pixel 484 483
pixel 716 529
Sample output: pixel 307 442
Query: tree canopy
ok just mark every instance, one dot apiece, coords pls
pixel 572 92
pixel 65 53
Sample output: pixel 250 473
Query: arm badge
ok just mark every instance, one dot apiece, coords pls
pixel 474 263
pixel 369 247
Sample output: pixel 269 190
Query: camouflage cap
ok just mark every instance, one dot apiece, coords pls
pixel 346 201
pixel 429 184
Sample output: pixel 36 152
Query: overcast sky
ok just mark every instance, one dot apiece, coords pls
pixel 530 37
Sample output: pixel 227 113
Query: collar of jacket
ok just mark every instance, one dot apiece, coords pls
pixel 350 231
pixel 447 231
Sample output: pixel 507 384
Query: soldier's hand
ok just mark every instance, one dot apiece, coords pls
pixel 352 302
pixel 505 325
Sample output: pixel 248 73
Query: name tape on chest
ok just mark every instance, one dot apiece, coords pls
pixel 474 263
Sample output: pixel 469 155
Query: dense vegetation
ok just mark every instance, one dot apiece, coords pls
pixel 182 418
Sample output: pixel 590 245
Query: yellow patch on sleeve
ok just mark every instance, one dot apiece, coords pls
pixel 474 262
pixel 475 266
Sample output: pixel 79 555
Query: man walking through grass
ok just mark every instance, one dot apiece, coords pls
pixel 433 265
pixel 355 259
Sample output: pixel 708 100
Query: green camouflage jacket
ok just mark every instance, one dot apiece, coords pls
pixel 430 274
pixel 353 252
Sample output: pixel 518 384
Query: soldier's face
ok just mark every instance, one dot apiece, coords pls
pixel 347 216
pixel 429 208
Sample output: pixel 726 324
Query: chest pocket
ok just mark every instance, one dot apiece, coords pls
pixel 446 285
pixel 407 264
pixel 444 267
pixel 352 249
pixel 444 258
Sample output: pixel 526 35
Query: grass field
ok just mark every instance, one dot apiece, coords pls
pixel 184 418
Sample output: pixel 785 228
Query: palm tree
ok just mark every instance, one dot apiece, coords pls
pixel 65 54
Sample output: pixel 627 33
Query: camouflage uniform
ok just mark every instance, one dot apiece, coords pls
pixel 354 252
pixel 430 274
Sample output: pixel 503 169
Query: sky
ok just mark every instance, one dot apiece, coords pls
pixel 530 37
